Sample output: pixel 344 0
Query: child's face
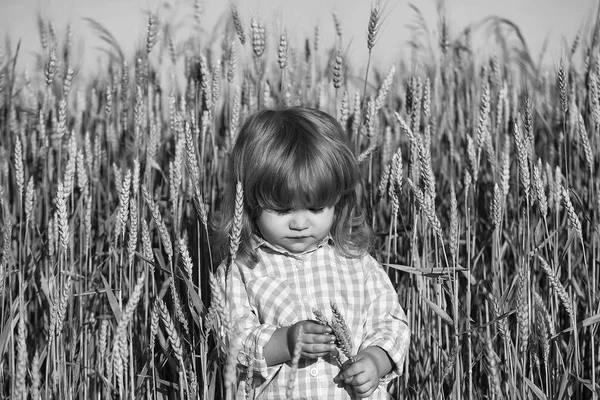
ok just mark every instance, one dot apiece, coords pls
pixel 295 229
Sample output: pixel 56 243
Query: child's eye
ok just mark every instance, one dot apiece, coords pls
pixel 316 210
pixel 282 211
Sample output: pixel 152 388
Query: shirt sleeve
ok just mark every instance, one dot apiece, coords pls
pixel 386 324
pixel 245 323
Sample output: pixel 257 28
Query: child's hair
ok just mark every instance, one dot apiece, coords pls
pixel 294 157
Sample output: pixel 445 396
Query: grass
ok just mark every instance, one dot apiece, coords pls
pixel 479 184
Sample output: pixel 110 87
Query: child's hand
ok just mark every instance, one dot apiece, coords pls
pixel 363 375
pixel 318 340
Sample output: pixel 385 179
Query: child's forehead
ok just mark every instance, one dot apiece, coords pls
pixel 300 202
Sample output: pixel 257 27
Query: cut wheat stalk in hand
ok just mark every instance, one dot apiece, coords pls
pixel 343 338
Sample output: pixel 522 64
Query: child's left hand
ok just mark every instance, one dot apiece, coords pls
pixel 363 375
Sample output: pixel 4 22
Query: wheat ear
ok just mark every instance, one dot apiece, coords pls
pixel 289 389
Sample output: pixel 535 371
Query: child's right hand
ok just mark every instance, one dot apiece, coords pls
pixel 317 339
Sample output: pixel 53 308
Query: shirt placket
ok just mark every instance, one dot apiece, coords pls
pixel 315 373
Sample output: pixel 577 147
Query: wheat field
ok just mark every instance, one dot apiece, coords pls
pixel 479 181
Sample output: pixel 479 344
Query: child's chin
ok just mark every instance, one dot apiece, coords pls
pixel 298 247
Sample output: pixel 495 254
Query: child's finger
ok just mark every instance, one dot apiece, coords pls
pixel 319 338
pixel 322 349
pixel 315 327
pixel 365 390
pixel 314 356
pixel 351 371
pixel 360 380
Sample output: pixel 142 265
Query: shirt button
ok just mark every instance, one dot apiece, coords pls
pixel 313 372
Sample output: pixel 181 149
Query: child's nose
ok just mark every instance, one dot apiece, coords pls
pixel 299 221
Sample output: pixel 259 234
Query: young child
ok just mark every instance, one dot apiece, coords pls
pixel 304 247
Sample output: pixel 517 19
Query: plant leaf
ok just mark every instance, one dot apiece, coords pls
pixel 439 311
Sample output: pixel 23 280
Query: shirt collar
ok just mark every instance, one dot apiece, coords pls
pixel 258 242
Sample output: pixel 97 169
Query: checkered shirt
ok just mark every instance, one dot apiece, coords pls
pixel 284 288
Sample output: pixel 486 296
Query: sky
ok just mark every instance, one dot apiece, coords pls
pixel 558 21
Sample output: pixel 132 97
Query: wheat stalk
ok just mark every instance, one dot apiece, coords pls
pixel 374 25
pixel 60 309
pixel 258 38
pixel 539 188
pixel 19 172
pixel 177 305
pixel 342 329
pixel 453 224
pixel 36 379
pixel 336 70
pixel 147 247
pixel 395 186
pixel 343 338
pixel 384 89
pixel 559 289
pixel 501 322
pixel 505 169
pixel 231 63
pixel 154 319
pixel 237 22
pixel 151 32
pixel 50 67
pixel 344 110
pixel 21 367
pixel 216 85
pixel 497 207
pixel 236 227
pixel 484 111
pixel 595 103
pixel 230 370
pixel 337 25
pixel 472 158
pixel 29 199
pixel 133 230
pixel 523 308
pixel 82 176
pixel 123 211
pixel 249 381
pixel 562 87
pixel 219 304
pixel 62 218
pixel 574 222
pixel 187 260
pixel 585 142
pixel 522 159
pixel 172 334
pixel 62 118
pixel 162 228
pixel 120 346
pixel 492 367
pixel 427 103
pixel 102 344
pixel 384 181
pixel 69 176
pixel 374 138
pixel 542 317
pixel 289 389
pixel 68 79
pixel 235 114
pixel 282 52
pixel 427 207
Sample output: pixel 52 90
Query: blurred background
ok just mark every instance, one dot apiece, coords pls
pixel 548 27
